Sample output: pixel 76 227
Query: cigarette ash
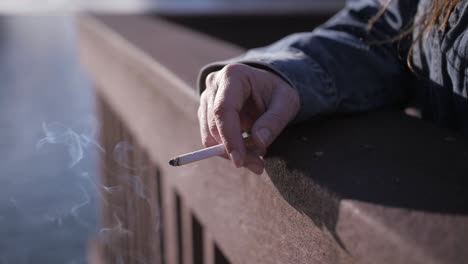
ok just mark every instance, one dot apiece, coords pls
pixel 174 162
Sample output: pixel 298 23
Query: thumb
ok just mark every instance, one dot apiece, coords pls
pixel 282 109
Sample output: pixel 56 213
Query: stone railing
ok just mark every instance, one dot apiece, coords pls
pixel 375 188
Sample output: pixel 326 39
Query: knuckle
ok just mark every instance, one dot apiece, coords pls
pixel 233 69
pixel 219 110
pixel 212 128
pixel 203 96
pixel 206 97
pixel 205 141
pixel 210 79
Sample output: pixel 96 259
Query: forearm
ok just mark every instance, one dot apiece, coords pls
pixel 336 68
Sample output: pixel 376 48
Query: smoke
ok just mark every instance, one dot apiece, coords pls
pixel 111 234
pixel 124 155
pixel 56 133
pixel 111 189
pixel 74 210
pixel 88 141
pixel 98 187
pixel 77 142
pixel 135 183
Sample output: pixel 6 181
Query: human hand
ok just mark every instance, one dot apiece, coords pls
pixel 243 98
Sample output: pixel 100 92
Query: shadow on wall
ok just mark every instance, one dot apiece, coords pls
pixel 379 158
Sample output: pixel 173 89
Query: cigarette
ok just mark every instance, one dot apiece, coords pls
pixel 205 153
pixel 198 155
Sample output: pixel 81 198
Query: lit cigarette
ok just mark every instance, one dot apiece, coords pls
pixel 198 155
pixel 205 153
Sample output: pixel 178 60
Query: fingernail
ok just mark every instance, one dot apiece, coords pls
pixel 264 135
pixel 235 157
pixel 255 168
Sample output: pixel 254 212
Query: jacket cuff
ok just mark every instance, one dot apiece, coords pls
pixel 317 91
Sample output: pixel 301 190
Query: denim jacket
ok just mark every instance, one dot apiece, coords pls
pixel 345 66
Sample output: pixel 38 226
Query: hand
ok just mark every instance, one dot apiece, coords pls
pixel 243 98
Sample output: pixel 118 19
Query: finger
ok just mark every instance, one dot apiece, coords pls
pixel 207 139
pixel 211 83
pixel 252 146
pixel 281 110
pixel 230 97
pixel 254 163
pixel 211 121
pixel 228 124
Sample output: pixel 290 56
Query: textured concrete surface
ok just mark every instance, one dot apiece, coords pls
pixel 392 181
pixel 375 188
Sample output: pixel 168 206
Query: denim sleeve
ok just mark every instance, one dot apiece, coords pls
pixel 342 66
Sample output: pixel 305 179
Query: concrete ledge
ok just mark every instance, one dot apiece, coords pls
pixel 375 188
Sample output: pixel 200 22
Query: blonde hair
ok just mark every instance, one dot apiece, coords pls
pixel 438 12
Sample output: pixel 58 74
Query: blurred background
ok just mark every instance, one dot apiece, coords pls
pixel 49 136
pixel 47 199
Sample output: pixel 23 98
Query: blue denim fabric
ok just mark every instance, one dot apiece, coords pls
pixel 345 67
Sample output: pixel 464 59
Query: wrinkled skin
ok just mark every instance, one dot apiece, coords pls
pixel 242 98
